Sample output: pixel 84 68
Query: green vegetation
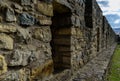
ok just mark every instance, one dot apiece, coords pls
pixel 114 72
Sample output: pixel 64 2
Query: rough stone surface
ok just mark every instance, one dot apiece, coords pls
pixel 6 42
pixel 20 58
pixel 3 65
pixel 10 15
pixel 42 34
pixel 17 8
pixel 26 19
pixel 43 71
pixel 7 28
pixel 96 68
pixel 45 8
pixel 15 76
pixel 43 20
pixel 22 35
pixel 54 40
pixel 25 2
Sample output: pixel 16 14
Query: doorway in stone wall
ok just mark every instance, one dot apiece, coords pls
pixel 60 43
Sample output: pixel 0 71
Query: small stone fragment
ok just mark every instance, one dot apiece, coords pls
pixel 34 1
pixel 43 20
pixel 42 34
pixel 3 65
pixel 23 55
pixel 22 35
pixel 15 76
pixel 20 58
pixel 10 16
pixel 44 8
pixel 26 19
pixel 17 8
pixel 25 2
pixel 6 28
pixel 6 42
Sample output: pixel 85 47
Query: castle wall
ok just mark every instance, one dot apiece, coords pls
pixel 50 40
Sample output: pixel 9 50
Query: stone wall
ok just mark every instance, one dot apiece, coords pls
pixel 25 37
pixel 50 39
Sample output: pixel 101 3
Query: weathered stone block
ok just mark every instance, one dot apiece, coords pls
pixel 43 20
pixel 6 42
pixel 44 8
pixel 15 76
pixel 17 8
pixel 26 19
pixel 3 65
pixel 77 32
pixel 10 15
pixel 42 71
pixel 25 2
pixel 30 55
pixel 20 57
pixel 43 34
pixel 6 28
pixel 22 35
pixel 34 1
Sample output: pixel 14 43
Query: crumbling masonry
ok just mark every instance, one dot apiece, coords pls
pixel 52 40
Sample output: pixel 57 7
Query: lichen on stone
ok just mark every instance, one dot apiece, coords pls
pixel 42 71
pixel 3 65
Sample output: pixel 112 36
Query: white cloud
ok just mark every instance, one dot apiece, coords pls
pixel 117 21
pixel 114 5
pixel 111 13
pixel 112 8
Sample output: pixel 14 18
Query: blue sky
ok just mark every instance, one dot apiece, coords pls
pixel 111 9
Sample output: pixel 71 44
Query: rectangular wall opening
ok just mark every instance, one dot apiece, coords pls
pixel 98 39
pixel 88 13
pixel 61 41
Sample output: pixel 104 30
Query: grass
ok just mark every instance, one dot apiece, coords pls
pixel 114 72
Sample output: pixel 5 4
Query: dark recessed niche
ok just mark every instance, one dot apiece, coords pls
pixel 88 14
